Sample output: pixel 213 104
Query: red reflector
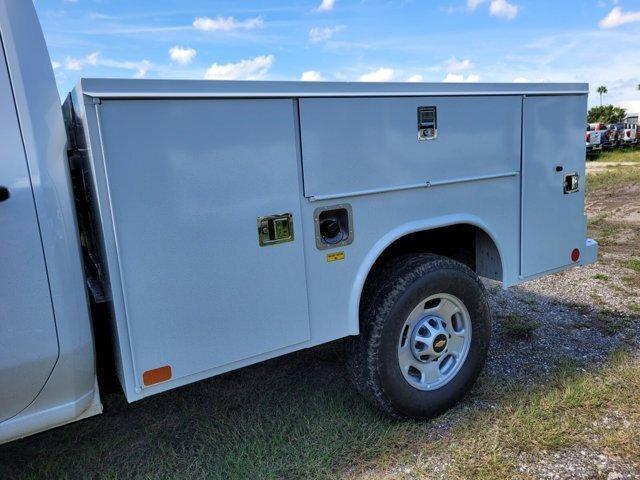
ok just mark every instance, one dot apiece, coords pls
pixel 575 255
pixel 157 375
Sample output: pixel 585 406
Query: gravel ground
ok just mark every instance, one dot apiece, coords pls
pixel 564 321
pixel 576 464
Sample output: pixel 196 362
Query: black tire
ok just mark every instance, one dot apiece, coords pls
pixel 372 356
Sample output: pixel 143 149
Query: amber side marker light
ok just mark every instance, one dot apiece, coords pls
pixel 157 375
pixel 575 255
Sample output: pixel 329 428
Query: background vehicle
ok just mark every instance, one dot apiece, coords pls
pixel 615 134
pixel 629 134
pixel 602 132
pixel 226 223
pixel 592 139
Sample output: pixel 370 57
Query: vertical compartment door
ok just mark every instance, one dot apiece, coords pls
pixel 553 221
pixel 205 204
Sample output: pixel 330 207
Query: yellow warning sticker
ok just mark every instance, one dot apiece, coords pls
pixel 334 257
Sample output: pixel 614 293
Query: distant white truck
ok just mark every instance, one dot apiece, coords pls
pixel 629 134
pixel 225 223
pixel 592 139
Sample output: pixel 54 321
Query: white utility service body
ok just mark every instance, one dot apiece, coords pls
pixel 207 212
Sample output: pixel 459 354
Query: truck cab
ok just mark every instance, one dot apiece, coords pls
pixel 47 364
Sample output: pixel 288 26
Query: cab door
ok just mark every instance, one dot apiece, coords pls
pixel 28 340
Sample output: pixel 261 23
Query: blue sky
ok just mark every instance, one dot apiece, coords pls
pixel 595 41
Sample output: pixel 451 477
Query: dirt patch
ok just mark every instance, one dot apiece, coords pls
pixel 619 203
pixel 599 167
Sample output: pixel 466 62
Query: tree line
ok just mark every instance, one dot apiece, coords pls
pixel 606 113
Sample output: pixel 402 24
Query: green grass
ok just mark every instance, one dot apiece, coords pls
pixel 296 419
pixel 567 412
pixel 616 175
pixel 602 276
pixel 610 322
pixel 581 308
pixel 613 177
pixel 623 155
pixel 604 230
pixel 633 264
pixel 518 326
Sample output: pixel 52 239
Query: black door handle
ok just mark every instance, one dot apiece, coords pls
pixel 4 193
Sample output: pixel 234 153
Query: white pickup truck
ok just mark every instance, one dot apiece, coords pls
pixel 224 223
pixel 629 134
pixel 592 140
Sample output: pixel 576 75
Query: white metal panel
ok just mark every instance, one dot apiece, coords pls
pixel 71 385
pixel 158 88
pixel 553 223
pixel 187 181
pixel 352 145
pixel 28 343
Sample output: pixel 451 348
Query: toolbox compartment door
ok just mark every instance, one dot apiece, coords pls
pixel 372 144
pixel 553 222
pixel 186 182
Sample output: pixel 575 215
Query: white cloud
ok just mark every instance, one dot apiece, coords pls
pixel 503 9
pixel 415 78
pixel 457 78
pixel 617 17
pixel 140 68
pixel 317 34
pixel 55 65
pixel 226 24
pixel 92 58
pixel 473 4
pixel 521 80
pixel 380 75
pixel 99 16
pixel 632 106
pixel 497 8
pixel 326 5
pixel 71 63
pixel 248 69
pixel 311 76
pixel 181 55
pixel 455 65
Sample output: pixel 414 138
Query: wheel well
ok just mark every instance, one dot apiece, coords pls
pixel 465 243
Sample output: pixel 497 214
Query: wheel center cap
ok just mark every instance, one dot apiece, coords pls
pixel 429 339
pixel 440 343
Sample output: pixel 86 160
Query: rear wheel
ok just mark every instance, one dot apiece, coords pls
pixel 424 335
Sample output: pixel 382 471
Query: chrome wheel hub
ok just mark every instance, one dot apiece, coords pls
pixel 434 341
pixel 429 338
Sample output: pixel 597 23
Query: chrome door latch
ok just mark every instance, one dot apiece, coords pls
pixel 427 123
pixel 571 183
pixel 275 229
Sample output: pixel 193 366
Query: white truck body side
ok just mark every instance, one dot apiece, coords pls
pixel 178 191
pixel 201 203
